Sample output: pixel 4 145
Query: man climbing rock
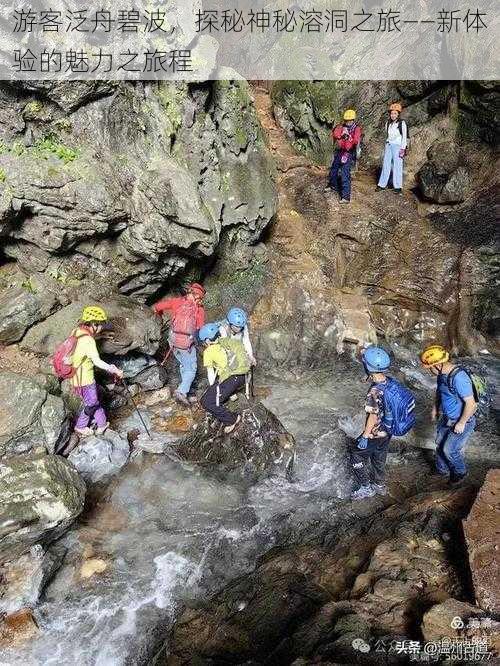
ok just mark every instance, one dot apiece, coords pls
pixel 227 364
pixel 456 403
pixel 396 131
pixel 187 316
pixel 348 140
pixel 390 411
pixel 85 357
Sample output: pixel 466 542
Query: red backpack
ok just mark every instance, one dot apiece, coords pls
pixel 183 325
pixel 62 360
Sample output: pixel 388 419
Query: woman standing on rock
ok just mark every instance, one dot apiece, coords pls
pixel 396 131
pixel 85 357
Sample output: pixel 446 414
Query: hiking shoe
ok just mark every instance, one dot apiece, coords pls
pixel 181 398
pixel 362 493
pixel 344 201
pixel 102 429
pixel 84 432
pixel 379 488
pixel 398 191
pixel 233 397
pixel 380 188
pixel 456 479
pixel 230 428
pixel 328 189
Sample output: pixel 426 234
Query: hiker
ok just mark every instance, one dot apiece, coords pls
pixel 187 316
pixel 390 411
pixel 456 403
pixel 227 364
pixel 396 132
pixel 85 357
pixel 236 326
pixel 348 142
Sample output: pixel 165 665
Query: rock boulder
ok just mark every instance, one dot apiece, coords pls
pixel 444 178
pixel 259 446
pixel 100 456
pixel 29 416
pixel 40 496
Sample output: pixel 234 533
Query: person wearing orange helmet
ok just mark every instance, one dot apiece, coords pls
pixel 455 407
pixel 396 131
pixel 187 316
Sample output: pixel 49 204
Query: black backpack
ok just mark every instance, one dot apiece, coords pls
pixel 400 128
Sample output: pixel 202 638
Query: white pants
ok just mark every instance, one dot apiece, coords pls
pixel 393 162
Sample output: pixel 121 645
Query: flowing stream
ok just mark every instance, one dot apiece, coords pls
pixel 171 533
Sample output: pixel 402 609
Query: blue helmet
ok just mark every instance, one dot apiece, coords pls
pixel 208 332
pixel 376 359
pixel 237 317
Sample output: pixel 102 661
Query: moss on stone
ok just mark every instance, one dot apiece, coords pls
pixel 3 175
pixel 172 97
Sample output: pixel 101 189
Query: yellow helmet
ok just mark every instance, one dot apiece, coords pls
pixel 350 114
pixel 434 355
pixel 93 313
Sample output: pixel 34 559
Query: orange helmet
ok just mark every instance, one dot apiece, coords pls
pixel 434 355
pixel 396 107
pixel 196 289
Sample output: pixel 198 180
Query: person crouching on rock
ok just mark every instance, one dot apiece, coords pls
pixel 85 357
pixel 187 316
pixel 236 326
pixel 227 364
pixel 348 140
pixel 457 405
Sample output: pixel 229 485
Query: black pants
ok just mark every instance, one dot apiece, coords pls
pixel 376 453
pixel 226 389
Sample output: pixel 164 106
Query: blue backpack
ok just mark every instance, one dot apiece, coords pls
pixel 399 408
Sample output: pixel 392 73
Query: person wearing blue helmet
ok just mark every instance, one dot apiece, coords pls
pixel 227 364
pixel 373 444
pixel 389 408
pixel 236 326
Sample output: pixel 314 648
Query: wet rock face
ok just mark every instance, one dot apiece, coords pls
pixel 100 456
pixel 258 447
pixel 376 578
pixel 444 178
pixel 170 172
pixel 481 533
pixel 29 416
pixel 40 496
pixel 136 328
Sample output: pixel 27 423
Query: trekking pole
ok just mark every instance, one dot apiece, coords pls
pixel 169 351
pixel 251 382
pixel 135 407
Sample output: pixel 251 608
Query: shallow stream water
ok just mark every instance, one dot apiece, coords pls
pixel 171 533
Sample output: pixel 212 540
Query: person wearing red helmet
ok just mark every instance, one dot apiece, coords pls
pixel 187 316
pixel 396 143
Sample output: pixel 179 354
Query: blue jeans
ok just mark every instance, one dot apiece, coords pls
pixel 188 364
pixel 449 447
pixel 345 175
pixel 393 162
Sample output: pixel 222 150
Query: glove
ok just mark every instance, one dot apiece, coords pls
pixel 402 153
pixel 362 442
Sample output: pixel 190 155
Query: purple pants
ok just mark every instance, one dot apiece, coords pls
pixel 92 411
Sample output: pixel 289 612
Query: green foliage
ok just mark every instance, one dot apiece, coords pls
pixel 33 109
pixel 18 148
pixel 3 175
pixel 50 145
pixel 28 285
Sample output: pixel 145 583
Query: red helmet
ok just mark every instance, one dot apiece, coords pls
pixel 197 289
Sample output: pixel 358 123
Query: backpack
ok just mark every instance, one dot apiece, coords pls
pixel 400 128
pixel 399 408
pixel 62 360
pixel 183 325
pixel 238 362
pixel 479 389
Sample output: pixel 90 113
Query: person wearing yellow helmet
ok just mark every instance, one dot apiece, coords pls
pixel 347 138
pixel 396 132
pixel 84 359
pixel 454 410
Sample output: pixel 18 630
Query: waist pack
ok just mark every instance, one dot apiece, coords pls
pixel 238 362
pixel 62 360
pixel 399 408
pixel 480 389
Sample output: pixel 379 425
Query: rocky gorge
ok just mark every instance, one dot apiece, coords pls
pixel 190 546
